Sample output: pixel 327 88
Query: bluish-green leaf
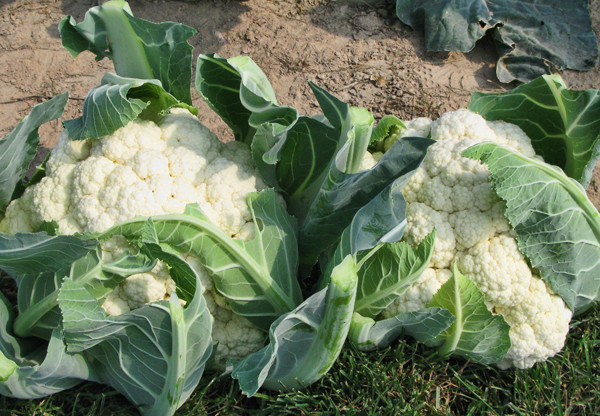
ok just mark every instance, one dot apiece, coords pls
pixel 557 227
pixel 476 333
pixel 367 334
pixel 388 272
pixel 154 356
pixel 453 25
pixel 29 254
pixel 116 102
pixel 38 368
pixel 239 92
pixel 18 149
pixel 353 125
pixel 532 37
pixel 38 262
pixel 139 48
pixel 304 343
pixel 342 195
pixel 258 277
pixel 563 124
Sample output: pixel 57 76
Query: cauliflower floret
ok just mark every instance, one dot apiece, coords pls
pixel 418 127
pixel 453 195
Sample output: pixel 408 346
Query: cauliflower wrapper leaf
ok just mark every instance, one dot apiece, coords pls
pixel 148 169
pixel 453 195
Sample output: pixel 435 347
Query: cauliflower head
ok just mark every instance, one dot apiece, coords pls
pixel 453 194
pixel 146 169
pixel 141 169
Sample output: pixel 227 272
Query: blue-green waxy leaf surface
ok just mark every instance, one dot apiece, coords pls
pixel 425 325
pixel 27 254
pixel 154 355
pixel 563 124
pixel 388 272
pixel 18 149
pixel 532 37
pixel 343 194
pixel 138 48
pixel 258 277
pixel 239 92
pixel 558 228
pixel 476 334
pixel 116 102
pixel 36 368
pixel 39 262
pixel 305 342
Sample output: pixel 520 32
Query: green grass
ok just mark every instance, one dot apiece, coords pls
pixel 400 380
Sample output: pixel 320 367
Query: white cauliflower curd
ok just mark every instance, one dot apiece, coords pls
pixel 453 194
pixel 147 169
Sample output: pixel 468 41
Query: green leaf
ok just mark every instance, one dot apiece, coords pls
pixel 388 272
pixel 453 25
pixel 306 151
pixel 116 102
pixel 386 133
pixel 304 343
pixel 36 369
pixel 557 227
pixel 154 355
pixel 18 149
pixel 342 195
pixel 28 254
pixel 138 48
pixel 38 262
pixel 239 92
pixel 541 38
pixel 258 277
pixel 424 326
pixel 354 126
pixel 476 334
pixel 532 37
pixel 7 367
pixel 563 124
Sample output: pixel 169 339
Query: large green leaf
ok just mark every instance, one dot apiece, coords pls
pixel 239 92
pixel 305 342
pixel 36 369
pixel 388 272
pixel 381 220
pixel 354 126
pixel 448 25
pixel 563 124
pixel 258 277
pixel 343 194
pixel 557 227
pixel 476 333
pixel 154 356
pixel 138 48
pixel 38 262
pixel 533 37
pixel 38 293
pixel 18 149
pixel 28 254
pixel 116 102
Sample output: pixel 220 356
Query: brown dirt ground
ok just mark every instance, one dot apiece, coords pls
pixel 356 49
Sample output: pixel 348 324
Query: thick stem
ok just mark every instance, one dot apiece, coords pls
pixel 129 56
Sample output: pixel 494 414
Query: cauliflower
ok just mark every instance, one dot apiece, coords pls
pixel 453 194
pixel 147 169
